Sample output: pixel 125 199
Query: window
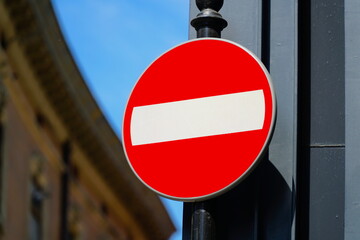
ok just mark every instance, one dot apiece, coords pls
pixel 37 198
pixel 74 222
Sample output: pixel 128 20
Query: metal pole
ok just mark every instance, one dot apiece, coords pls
pixel 202 221
pixel 208 23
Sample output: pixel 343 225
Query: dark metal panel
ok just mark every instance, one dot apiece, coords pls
pixel 244 18
pixel 283 67
pixel 236 213
pixel 352 110
pixel 282 151
pixel 321 164
pixel 193 12
pixel 327 172
pixel 257 209
pixel 327 72
pixel 261 207
pixel 275 210
pixel 321 118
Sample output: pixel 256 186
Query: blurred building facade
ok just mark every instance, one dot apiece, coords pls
pixel 63 174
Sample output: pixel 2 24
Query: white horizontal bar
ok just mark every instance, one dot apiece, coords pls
pixel 200 117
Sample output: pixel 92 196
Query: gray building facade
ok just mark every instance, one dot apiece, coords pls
pixel 307 187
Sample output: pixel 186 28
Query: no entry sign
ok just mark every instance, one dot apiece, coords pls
pixel 199 119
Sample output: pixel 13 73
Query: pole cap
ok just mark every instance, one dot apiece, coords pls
pixel 212 4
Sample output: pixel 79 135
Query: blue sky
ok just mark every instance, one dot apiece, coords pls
pixel 113 41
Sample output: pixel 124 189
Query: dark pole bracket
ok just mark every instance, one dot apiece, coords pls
pixel 209 23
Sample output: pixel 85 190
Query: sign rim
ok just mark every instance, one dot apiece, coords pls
pixel 260 154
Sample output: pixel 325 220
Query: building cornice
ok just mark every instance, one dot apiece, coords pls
pixel 35 29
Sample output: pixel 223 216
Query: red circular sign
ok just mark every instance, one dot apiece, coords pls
pixel 198 119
